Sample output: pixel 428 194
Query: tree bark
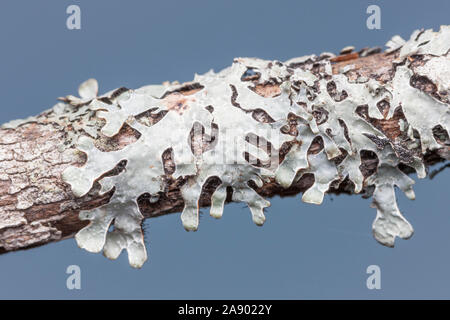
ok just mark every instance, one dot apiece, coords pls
pixel 38 207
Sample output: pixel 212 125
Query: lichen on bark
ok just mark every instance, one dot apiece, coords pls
pixel 314 124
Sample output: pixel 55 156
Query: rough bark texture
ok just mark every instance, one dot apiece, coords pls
pixel 37 207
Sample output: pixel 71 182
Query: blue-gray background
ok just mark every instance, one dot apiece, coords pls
pixel 303 251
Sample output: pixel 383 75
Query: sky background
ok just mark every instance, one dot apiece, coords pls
pixel 303 251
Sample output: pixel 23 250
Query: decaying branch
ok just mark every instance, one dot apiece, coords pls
pixel 352 123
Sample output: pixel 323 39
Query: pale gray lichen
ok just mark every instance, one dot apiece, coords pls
pixel 427 42
pixel 318 163
pixel 389 222
pixel 326 106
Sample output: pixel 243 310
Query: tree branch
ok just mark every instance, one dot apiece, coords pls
pixel 38 206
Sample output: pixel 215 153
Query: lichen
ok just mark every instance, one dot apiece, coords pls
pixel 246 148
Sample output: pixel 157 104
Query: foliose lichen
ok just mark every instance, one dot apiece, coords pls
pixel 248 132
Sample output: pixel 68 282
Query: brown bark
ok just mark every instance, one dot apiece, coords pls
pixel 37 207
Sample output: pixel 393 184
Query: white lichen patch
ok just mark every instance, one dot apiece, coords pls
pixel 438 71
pixel 413 102
pixel 248 135
pixel 325 172
pixel 427 42
pixel 389 222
